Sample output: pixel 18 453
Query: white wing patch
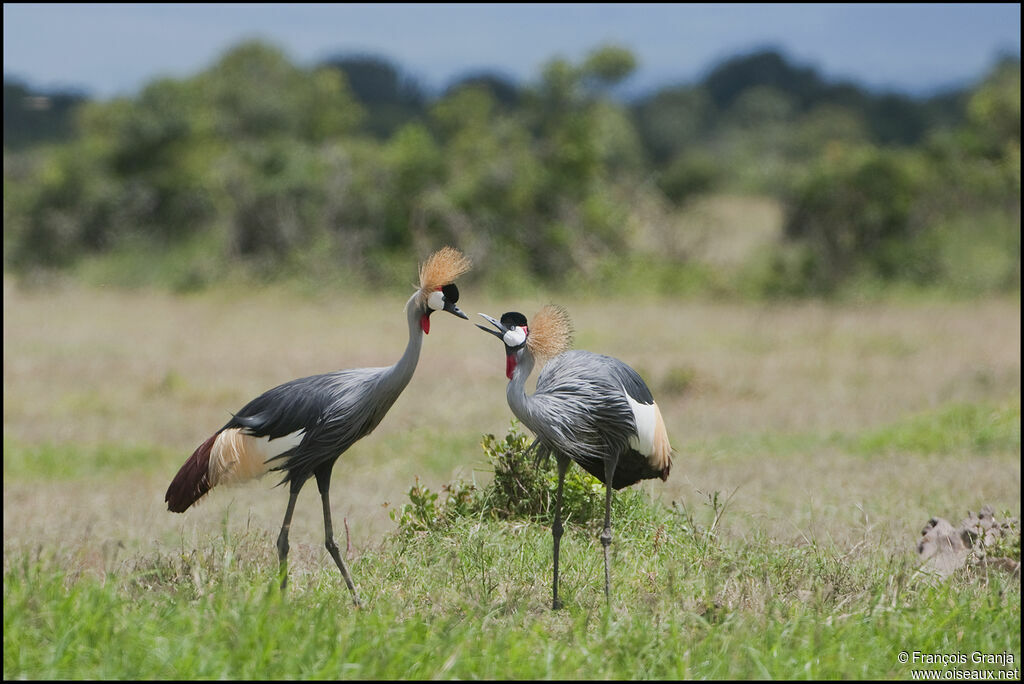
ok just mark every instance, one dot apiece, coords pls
pixel 275 447
pixel 646 418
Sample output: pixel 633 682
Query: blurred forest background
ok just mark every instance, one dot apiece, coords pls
pixel 341 174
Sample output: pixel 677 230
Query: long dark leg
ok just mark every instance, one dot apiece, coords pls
pixel 606 535
pixel 556 528
pixel 282 538
pixel 323 483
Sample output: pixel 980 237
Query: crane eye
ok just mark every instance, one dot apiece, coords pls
pixel 515 336
pixel 436 300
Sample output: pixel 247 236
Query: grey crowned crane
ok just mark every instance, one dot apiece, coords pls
pixel 303 426
pixel 588 408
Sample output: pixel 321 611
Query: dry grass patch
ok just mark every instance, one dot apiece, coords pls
pixel 144 370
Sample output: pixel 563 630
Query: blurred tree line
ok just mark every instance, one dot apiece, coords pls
pixel 349 169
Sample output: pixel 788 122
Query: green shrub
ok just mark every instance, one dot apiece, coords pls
pixel 524 487
pixel 424 512
pixel 854 213
pixel 525 484
pixel 689 175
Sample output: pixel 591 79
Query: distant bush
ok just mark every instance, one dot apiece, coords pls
pixel 690 175
pixel 852 213
pixel 262 169
pixel 679 380
pixel 32 117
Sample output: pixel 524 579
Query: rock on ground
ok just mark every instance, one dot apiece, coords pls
pixel 944 549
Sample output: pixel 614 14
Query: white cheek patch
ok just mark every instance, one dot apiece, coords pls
pixel 436 300
pixel 515 336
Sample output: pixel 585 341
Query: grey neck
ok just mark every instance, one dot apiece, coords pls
pixel 396 377
pixel 518 400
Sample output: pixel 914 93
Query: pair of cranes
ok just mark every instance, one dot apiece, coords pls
pixel 587 408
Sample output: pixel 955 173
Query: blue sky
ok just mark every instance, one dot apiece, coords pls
pixel 111 49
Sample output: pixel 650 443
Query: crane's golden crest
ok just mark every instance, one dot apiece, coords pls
pixel 551 333
pixel 441 268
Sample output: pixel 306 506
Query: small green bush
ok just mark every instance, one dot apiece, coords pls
pixel 524 487
pixel 679 380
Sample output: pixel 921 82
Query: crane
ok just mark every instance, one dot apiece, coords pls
pixel 301 427
pixel 588 408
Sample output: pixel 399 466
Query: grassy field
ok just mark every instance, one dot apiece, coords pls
pixel 830 434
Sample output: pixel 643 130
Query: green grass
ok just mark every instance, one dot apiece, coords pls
pixel 952 429
pixel 958 427
pixel 55 461
pixel 474 603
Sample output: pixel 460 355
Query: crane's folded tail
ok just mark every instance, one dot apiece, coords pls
pixel 660 457
pixel 192 480
pixel 228 457
pixel 649 454
pixel 651 438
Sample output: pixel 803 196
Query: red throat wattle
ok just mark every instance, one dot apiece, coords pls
pixel 425 324
pixel 510 365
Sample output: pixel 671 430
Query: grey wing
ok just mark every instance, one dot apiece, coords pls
pixel 285 409
pixel 347 414
pixel 629 379
pixel 585 413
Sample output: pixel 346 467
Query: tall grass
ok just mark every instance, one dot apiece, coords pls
pixel 474 603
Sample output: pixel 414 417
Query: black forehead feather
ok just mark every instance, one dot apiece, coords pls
pixel 451 293
pixel 513 318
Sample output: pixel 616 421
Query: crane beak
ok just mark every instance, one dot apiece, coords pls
pixel 455 311
pixel 499 333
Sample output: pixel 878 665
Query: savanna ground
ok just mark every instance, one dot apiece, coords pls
pixel 830 433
